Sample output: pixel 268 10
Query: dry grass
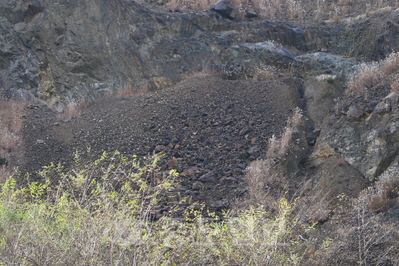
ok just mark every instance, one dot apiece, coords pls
pixel 365 78
pixel 128 91
pixel 375 238
pixel 295 9
pixel 185 5
pixel 370 74
pixel 10 125
pixel 200 74
pixel 385 190
pixel 314 208
pixel 336 18
pixel 263 174
pixel 266 73
pixel 341 161
pixel 71 111
pixel 4 173
pixel 313 10
pixel 292 127
pixel 389 64
pixel 395 87
pixel 344 2
pixel 258 177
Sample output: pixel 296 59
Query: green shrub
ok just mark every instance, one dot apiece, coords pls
pixel 101 214
pixel 3 161
pixel 330 80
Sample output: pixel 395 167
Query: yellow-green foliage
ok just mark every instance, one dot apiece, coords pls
pixel 99 214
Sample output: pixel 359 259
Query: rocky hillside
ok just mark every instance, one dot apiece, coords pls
pixel 58 51
pixel 210 89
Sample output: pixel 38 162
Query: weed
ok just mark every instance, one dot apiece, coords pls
pixel 330 80
pixel 3 161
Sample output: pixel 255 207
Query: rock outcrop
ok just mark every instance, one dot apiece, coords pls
pixel 365 134
pixel 59 50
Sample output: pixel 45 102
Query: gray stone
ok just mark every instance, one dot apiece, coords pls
pixel 354 113
pixel 208 178
pixel 224 8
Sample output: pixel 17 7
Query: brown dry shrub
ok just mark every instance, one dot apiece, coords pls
pixel 195 75
pixel 377 203
pixel 295 9
pixel 71 111
pixel 336 18
pixel 365 78
pixel 345 9
pixel 395 87
pixel 257 176
pixel 370 74
pixel 341 161
pixel 128 91
pixel 389 64
pixel 370 240
pixel 385 190
pixel 10 126
pixel 388 183
pixel 185 5
pixel 291 128
pixel 263 173
pixel 11 143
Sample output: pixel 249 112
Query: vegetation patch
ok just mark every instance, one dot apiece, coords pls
pixel 101 214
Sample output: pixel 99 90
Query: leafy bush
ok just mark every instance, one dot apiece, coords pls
pixel 101 213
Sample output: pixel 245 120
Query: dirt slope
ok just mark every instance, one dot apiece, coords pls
pixel 210 129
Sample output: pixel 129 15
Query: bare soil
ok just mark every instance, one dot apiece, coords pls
pixel 209 128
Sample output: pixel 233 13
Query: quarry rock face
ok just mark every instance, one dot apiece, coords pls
pixel 56 51
pixel 82 50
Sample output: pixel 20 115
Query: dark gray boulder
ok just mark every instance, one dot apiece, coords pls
pixel 224 8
